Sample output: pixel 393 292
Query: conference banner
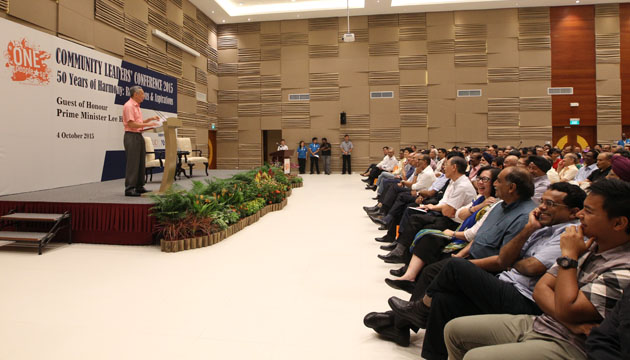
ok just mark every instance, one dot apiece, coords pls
pixel 61 107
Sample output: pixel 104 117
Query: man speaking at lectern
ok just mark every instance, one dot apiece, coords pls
pixel 134 142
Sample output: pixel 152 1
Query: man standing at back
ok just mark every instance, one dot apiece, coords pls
pixel 346 149
pixel 135 151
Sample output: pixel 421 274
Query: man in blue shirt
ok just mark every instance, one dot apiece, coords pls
pixel 313 151
pixel 624 140
pixel 463 289
pixel 515 187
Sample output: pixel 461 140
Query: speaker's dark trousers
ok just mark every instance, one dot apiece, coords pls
pixel 346 164
pixel 135 152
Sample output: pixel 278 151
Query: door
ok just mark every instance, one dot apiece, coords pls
pixel 212 149
pixel 271 139
pixel 582 136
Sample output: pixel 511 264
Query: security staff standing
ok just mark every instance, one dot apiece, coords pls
pixel 135 151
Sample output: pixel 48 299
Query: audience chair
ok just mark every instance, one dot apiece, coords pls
pixel 184 144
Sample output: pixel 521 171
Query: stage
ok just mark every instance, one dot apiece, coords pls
pixel 101 214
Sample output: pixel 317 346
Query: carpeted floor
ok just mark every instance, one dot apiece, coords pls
pixel 295 285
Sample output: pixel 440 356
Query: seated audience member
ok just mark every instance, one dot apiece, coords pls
pixel 497 162
pixel 399 172
pixel 606 148
pixel 611 339
pixel 372 166
pixel 538 167
pixel 397 197
pixel 486 159
pixel 430 196
pixel 428 244
pixel 475 164
pixel 433 153
pixel 582 289
pixel 387 164
pixel 568 167
pixel 590 165
pixel 463 289
pixel 603 167
pixel 510 160
pixel 441 158
pixel 506 219
pixel 441 216
pixel 555 157
pixel 552 174
pixel 620 168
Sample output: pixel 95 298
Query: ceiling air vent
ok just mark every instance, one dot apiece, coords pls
pixel 299 97
pixel 560 91
pixel 469 93
pixel 381 94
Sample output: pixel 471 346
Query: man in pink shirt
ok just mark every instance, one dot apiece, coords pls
pixel 135 151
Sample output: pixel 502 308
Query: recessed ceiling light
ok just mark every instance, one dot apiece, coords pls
pixel 248 19
pixel 223 20
pixel 213 11
pixel 577 1
pixel 232 8
pixel 298 15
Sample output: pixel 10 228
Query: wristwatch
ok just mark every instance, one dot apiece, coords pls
pixel 566 262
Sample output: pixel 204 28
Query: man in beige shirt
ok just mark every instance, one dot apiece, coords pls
pixel 567 166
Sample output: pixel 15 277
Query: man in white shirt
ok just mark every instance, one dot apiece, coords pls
pixel 388 163
pixel 441 158
pixel 398 196
pixel 568 170
pixel 441 216
pixel 283 145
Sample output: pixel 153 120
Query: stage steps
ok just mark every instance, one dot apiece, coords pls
pixel 19 221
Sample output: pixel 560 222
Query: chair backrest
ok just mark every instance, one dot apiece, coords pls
pixel 148 146
pixel 184 144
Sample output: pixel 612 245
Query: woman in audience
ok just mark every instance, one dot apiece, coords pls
pixel 430 246
pixel 301 154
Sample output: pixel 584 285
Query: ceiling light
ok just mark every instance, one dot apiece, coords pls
pixel 172 41
pixel 223 20
pixel 432 2
pixel 232 8
pixel 577 1
pixel 248 19
pixel 213 11
pixel 298 15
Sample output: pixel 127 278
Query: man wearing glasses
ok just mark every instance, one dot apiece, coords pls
pixel 463 289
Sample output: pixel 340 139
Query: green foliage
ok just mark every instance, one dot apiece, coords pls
pixel 217 203
pixel 251 207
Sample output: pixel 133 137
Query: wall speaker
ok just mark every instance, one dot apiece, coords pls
pixel 342 118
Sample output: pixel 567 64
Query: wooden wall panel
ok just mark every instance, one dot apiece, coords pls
pixel 624 22
pixel 573 63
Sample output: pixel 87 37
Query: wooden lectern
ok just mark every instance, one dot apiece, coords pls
pixel 286 155
pixel 170 163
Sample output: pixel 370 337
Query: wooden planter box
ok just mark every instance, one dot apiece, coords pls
pixel 203 241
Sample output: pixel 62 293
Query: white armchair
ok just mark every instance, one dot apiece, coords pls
pixel 184 144
pixel 151 161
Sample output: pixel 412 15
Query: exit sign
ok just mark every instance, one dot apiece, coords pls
pixel 574 121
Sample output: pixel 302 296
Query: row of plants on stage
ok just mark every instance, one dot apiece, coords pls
pixel 213 210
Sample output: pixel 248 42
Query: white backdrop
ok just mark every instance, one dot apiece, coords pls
pixel 60 109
